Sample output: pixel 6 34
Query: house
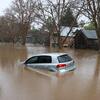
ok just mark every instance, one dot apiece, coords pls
pixel 65 31
pixel 86 39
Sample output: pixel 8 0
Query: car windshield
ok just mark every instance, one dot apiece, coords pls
pixel 64 58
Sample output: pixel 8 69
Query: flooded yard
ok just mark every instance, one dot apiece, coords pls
pixel 20 83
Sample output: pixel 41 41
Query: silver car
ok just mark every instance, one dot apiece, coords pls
pixel 51 61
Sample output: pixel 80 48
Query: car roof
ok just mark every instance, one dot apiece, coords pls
pixel 50 54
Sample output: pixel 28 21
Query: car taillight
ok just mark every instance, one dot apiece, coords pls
pixel 61 65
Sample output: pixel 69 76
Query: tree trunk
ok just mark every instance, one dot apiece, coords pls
pixel 98 35
pixel 23 39
pixel 24 31
pixel 58 39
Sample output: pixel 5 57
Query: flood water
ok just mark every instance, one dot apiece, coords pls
pixel 20 83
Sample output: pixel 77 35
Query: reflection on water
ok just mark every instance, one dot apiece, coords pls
pixel 97 68
pixel 20 83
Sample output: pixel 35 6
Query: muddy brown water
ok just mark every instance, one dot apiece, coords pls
pixel 20 83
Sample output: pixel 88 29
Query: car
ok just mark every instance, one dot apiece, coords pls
pixel 56 62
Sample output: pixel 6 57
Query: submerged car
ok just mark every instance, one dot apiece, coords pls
pixel 51 61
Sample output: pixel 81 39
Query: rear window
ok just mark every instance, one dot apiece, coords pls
pixel 64 58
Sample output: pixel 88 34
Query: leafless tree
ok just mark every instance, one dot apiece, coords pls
pixel 92 11
pixel 50 13
pixel 8 29
pixel 23 11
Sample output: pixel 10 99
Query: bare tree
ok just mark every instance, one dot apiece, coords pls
pixel 92 11
pixel 8 29
pixel 50 14
pixel 23 11
pixel 13 25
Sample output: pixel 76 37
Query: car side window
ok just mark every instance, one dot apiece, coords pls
pixel 44 59
pixel 32 60
pixel 39 59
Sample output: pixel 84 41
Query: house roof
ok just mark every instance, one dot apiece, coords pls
pixel 91 34
pixel 65 31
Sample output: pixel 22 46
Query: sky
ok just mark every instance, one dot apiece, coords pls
pixel 3 5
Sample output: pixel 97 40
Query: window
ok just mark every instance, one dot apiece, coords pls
pixel 32 60
pixel 44 59
pixel 64 58
pixel 39 59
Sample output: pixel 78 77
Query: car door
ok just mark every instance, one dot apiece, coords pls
pixel 44 61
pixel 41 62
